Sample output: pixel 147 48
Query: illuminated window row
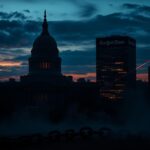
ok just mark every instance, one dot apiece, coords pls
pixel 111 96
pixel 114 91
pixel 119 63
pixel 119 70
pixel 110 69
pixel 44 65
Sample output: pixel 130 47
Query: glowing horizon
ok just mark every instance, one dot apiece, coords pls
pixel 10 64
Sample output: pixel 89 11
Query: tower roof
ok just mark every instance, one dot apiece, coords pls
pixel 45 45
pixel 45 25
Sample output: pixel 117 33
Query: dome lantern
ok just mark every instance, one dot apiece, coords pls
pixel 45 25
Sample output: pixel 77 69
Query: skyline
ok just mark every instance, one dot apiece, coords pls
pixel 75 36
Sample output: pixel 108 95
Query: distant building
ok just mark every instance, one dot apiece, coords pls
pixel 115 65
pixel 149 75
pixel 81 80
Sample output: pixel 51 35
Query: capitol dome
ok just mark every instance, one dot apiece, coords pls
pixel 45 44
pixel 45 60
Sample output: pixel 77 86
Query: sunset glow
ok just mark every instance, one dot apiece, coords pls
pixel 142 76
pixel 90 76
pixel 10 64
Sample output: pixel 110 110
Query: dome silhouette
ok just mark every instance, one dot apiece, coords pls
pixel 45 44
pixel 45 63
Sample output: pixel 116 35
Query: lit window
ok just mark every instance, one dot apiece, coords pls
pixel 119 63
pixel 44 65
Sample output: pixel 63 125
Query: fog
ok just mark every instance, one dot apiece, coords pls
pixel 134 119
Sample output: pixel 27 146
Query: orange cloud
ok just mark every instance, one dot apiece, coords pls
pixel 142 76
pixel 91 76
pixel 10 64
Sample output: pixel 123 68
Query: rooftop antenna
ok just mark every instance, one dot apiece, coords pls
pixel 45 14
pixel 45 25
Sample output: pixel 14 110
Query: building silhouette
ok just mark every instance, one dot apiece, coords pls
pixel 149 75
pixel 115 65
pixel 45 63
pixel 45 91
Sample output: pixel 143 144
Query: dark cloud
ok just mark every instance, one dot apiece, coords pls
pixel 136 26
pixel 26 10
pixel 131 6
pixel 19 34
pixel 137 8
pixel 71 32
pixel 88 10
pixel 12 15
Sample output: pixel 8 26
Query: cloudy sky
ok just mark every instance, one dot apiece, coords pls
pixel 74 24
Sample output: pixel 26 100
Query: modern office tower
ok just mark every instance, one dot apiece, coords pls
pixel 115 66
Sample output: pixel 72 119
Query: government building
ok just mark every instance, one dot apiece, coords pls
pixel 45 91
pixel 45 63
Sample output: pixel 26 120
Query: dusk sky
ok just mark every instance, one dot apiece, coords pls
pixel 74 24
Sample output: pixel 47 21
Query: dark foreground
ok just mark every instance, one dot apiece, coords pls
pixel 85 145
pixel 86 139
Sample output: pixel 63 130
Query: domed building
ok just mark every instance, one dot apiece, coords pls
pixel 45 63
